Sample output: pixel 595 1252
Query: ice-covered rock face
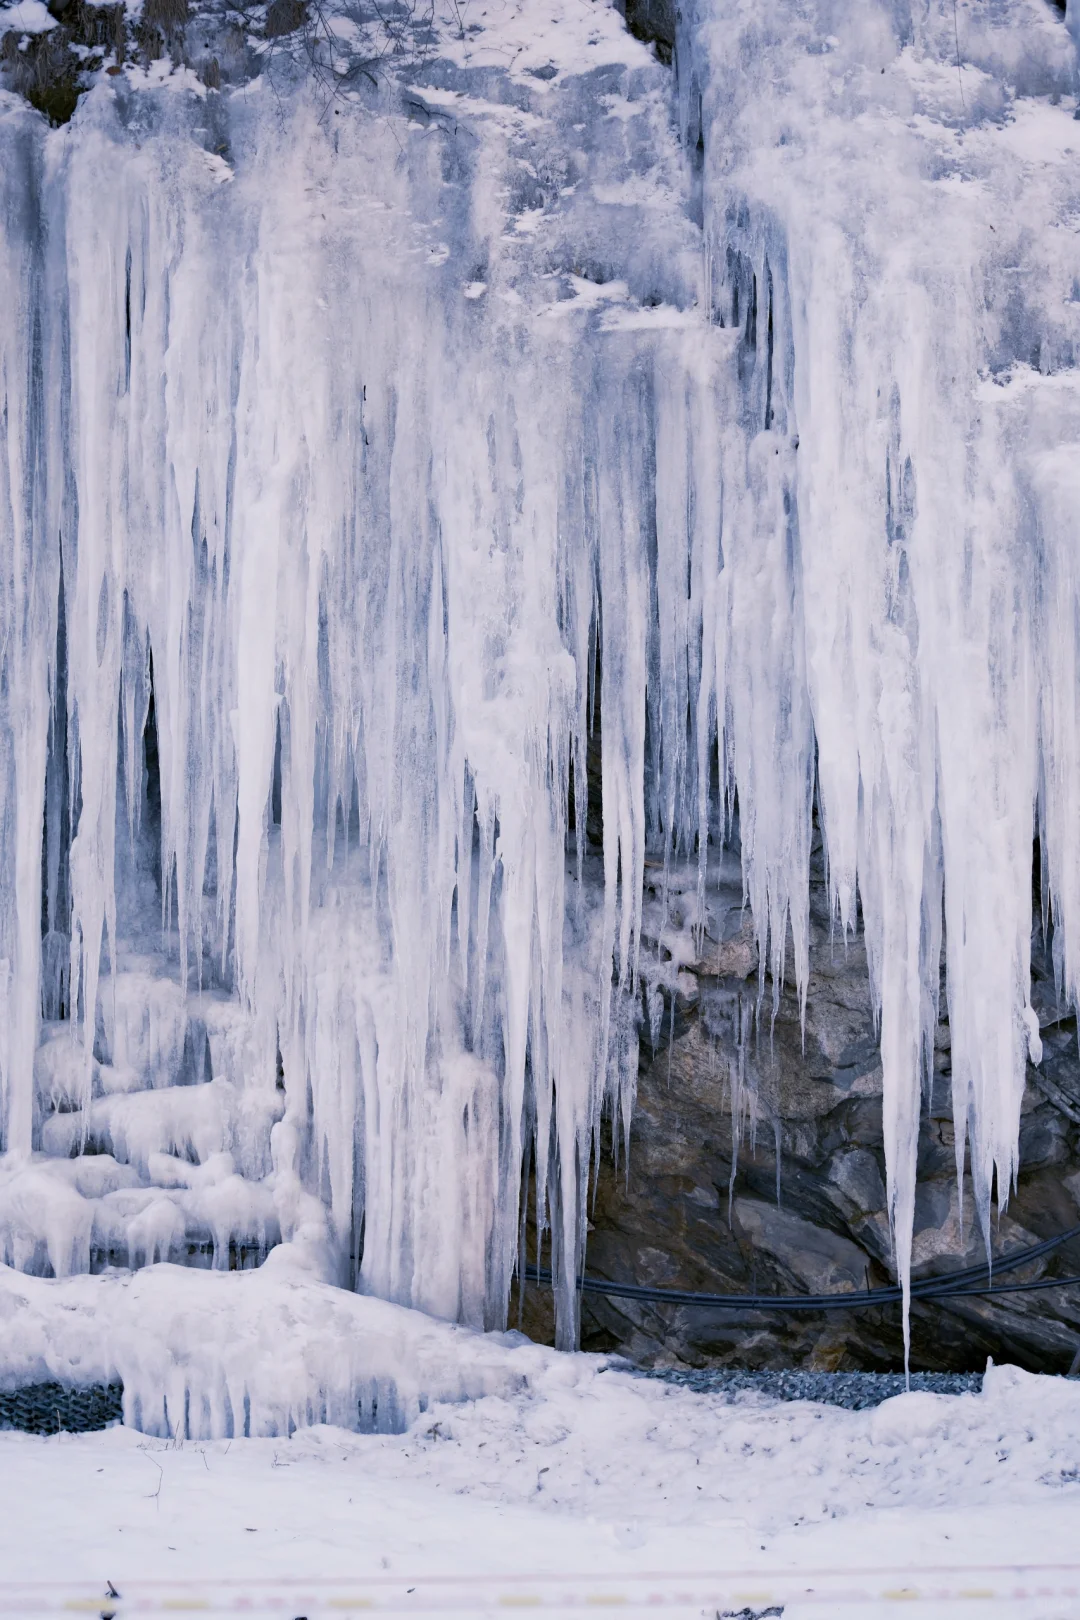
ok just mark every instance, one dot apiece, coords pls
pixel 347 420
pixel 890 207
pixel 393 440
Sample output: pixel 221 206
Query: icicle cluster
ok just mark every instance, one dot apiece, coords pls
pixel 889 207
pixel 337 476
pixel 391 456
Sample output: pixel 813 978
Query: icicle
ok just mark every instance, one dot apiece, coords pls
pixel 29 582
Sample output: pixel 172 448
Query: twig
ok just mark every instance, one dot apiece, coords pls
pixel 156 1495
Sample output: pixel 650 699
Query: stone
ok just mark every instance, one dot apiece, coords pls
pixel 820 1259
pixel 284 17
pixel 793 1199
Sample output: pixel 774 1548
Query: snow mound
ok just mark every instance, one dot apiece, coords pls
pixel 206 1355
pixel 26 17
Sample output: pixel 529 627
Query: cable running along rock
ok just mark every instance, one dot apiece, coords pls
pixel 967 1282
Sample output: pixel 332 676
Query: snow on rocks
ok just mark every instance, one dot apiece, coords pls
pixel 65 1216
pixel 26 17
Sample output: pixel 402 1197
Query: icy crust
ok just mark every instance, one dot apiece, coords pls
pixel 56 1218
pixel 205 1356
pixel 163 1161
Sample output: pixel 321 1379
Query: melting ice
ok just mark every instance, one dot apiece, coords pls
pixel 384 473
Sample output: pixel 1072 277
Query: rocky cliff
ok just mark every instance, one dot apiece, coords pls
pixel 794 1200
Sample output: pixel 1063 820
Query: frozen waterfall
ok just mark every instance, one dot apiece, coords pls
pixel 387 467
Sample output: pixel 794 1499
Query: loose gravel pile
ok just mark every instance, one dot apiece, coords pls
pixel 853 1390
pixel 51 1408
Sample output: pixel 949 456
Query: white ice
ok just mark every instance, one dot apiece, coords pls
pixel 402 436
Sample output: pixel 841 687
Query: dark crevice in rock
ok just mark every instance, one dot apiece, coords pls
pixel 652 21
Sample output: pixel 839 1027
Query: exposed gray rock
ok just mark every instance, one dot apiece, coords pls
pixel 822 1260
pixel 799 1204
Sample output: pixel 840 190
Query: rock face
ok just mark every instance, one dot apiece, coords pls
pixel 798 1205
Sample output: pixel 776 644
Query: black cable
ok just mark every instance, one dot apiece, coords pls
pixel 1005 1262
pixel 1009 1288
pixel 954 1285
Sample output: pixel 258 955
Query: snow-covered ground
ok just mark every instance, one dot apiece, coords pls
pixel 466 1517
pixel 597 1489
pixel 524 1476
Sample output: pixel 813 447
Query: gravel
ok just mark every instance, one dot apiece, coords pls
pixel 50 1408
pixel 55 1409
pixel 853 1390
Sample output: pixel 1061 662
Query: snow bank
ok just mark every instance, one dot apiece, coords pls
pixel 203 1355
pixel 210 1356
pixel 26 17
pixel 587 1437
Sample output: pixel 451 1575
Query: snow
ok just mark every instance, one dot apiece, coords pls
pixel 26 17
pixel 64 1216
pixel 564 1482
pixel 400 435
pixel 287 1441
pixel 522 39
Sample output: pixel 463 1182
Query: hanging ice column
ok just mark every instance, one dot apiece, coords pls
pixel 28 577
pixel 887 219
pixel 367 486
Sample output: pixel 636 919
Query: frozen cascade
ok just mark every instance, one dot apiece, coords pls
pixel 361 580
pixel 377 448
pixel 899 223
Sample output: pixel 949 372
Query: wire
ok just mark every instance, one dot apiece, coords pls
pixel 1010 1288
pixel 958 1284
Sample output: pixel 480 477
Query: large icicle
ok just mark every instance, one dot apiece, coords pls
pixel 28 587
pixel 875 192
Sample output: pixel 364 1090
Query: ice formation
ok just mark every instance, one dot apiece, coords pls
pixel 366 457
pixel 206 1356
